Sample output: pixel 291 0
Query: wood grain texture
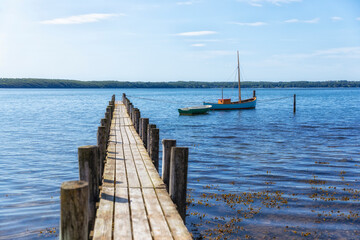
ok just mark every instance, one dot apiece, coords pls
pixel 134 203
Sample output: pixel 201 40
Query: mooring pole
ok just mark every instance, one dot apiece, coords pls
pixel 89 172
pixel 166 153
pixel 154 147
pixel 74 210
pixel 178 178
pixel 294 103
pixel 149 126
pixel 144 125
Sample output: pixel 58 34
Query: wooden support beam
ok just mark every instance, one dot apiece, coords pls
pixel 101 142
pixel 136 119
pixel 154 147
pixel 144 126
pixel 148 136
pixel 74 210
pixel 178 178
pixel 89 172
pixel 166 153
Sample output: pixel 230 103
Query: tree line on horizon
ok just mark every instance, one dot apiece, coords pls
pixel 61 83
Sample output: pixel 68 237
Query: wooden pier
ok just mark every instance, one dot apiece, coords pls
pixel 132 200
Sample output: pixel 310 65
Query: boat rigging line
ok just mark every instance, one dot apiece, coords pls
pixel 273 99
pixel 160 100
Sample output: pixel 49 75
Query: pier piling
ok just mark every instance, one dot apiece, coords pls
pixel 167 144
pixel 74 210
pixel 144 127
pixel 89 172
pixel 154 147
pixel 136 119
pixel 148 136
pixel 178 178
pixel 101 143
pixel 294 103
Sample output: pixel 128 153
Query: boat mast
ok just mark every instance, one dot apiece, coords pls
pixel 239 76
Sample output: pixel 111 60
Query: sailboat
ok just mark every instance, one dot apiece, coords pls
pixel 227 104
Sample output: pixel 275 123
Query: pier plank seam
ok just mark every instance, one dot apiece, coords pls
pixel 141 208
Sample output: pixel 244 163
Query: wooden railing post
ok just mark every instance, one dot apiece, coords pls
pixel 131 110
pixel 136 119
pixel 124 98
pixel 167 144
pixel 154 147
pixel 140 127
pixel 107 125
pixel 128 106
pixel 74 210
pixel 112 107
pixel 101 142
pixel 89 172
pixel 144 126
pixel 149 126
pixel 178 178
pixel 108 110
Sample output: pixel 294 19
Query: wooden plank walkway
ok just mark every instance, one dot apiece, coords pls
pixel 134 203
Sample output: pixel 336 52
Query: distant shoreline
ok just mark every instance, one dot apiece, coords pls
pixel 60 83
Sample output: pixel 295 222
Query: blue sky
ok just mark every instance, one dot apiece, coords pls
pixel 195 40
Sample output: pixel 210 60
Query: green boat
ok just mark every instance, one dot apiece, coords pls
pixel 194 110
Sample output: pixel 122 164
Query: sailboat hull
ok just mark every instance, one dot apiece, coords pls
pixel 246 104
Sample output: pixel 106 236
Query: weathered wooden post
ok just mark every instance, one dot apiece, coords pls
pixel 178 178
pixel 136 119
pixel 154 147
pixel 89 172
pixel 140 128
pixel 74 210
pixel 144 126
pixel 103 122
pixel 112 107
pixel 107 125
pixel 254 93
pixel 101 142
pixel 124 98
pixel 131 110
pixel 127 105
pixel 149 126
pixel 166 153
pixel 294 103
pixel 113 98
pixel 108 110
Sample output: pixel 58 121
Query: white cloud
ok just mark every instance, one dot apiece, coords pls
pixel 199 33
pixel 198 45
pixel 344 52
pixel 251 24
pixel 79 19
pixel 336 19
pixel 185 3
pixel 259 3
pixel 295 20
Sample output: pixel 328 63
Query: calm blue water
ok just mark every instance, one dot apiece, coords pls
pixel 259 173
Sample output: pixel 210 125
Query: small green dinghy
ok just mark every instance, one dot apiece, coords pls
pixel 194 110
